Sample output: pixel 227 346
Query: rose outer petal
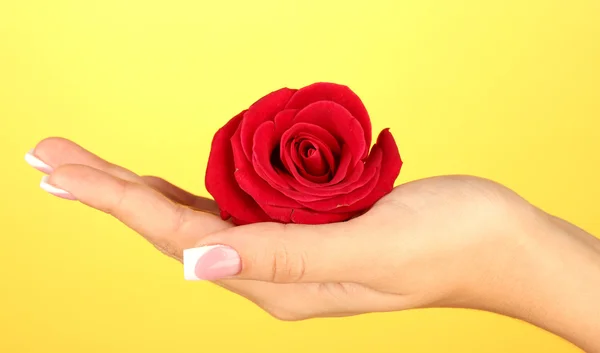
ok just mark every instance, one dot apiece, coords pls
pixel 340 94
pixel 338 121
pixel 220 180
pixel 390 169
pixel 304 216
pixel 265 109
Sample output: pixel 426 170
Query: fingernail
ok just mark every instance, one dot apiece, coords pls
pixel 54 190
pixel 210 263
pixel 37 163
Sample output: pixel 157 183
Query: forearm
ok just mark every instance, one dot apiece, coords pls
pixel 554 282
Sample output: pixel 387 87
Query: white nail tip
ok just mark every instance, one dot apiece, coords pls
pixel 190 259
pixel 36 162
pixel 50 188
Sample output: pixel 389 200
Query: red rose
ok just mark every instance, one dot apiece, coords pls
pixel 301 156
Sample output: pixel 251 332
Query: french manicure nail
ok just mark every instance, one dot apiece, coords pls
pixel 37 163
pixel 210 263
pixel 54 190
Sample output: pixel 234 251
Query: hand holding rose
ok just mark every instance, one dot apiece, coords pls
pixel 453 241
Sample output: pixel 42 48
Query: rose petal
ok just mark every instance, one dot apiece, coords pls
pixel 306 148
pixel 252 183
pixel 279 214
pixel 298 173
pixel 359 178
pixel 338 180
pixel 294 194
pixel 338 122
pixel 390 168
pixel 304 216
pixel 354 192
pixel 313 161
pixel 306 190
pixel 290 180
pixel 292 159
pixel 269 134
pixel 220 181
pixel 311 132
pixel 320 170
pixel 303 193
pixel 343 165
pixel 324 150
pixel 343 95
pixel 240 222
pixel 265 109
pixel 293 162
pixel 284 120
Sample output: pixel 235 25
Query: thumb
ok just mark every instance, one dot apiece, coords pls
pixel 279 253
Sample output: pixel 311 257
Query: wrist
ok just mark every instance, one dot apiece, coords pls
pixel 548 276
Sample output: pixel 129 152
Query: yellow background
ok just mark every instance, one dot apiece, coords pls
pixel 503 89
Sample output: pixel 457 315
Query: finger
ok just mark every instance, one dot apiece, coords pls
pixel 181 196
pixel 283 253
pixel 166 224
pixel 53 152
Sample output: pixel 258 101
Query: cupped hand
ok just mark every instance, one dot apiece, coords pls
pixel 426 244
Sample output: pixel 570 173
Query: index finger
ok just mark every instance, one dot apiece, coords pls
pixel 56 151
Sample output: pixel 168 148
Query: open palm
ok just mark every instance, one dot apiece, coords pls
pixel 173 219
pixel 414 219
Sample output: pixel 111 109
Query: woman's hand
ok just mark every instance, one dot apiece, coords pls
pixel 453 241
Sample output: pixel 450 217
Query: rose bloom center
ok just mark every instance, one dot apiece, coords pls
pixel 305 156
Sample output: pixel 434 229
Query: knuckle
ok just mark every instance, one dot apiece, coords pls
pixel 287 266
pixel 168 248
pixel 120 198
pixel 121 172
pixel 170 243
pixel 180 217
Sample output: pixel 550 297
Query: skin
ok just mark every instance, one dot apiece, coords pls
pixel 449 241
